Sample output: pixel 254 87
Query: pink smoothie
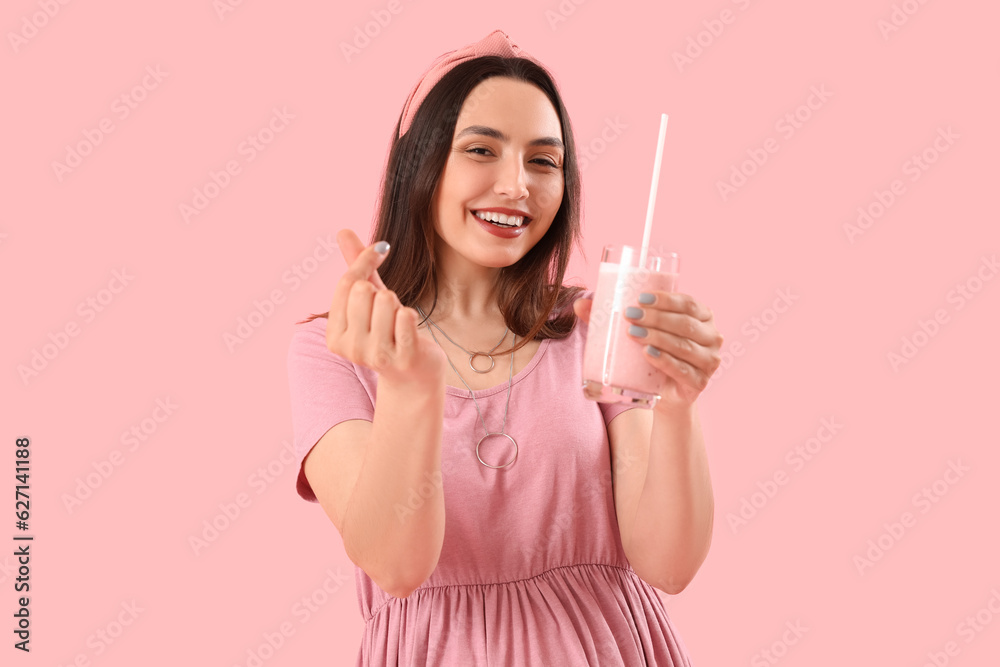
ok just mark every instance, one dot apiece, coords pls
pixel 610 357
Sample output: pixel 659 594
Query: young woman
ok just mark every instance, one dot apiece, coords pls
pixel 496 516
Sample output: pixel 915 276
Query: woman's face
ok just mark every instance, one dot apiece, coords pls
pixel 506 160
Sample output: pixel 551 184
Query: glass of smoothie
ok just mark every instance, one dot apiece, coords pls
pixel 615 369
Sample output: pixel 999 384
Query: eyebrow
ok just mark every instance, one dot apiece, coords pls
pixel 497 134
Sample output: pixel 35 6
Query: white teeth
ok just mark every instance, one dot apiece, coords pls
pixel 501 218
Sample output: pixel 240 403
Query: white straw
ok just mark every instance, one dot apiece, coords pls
pixel 652 190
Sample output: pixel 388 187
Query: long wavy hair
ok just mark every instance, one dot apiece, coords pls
pixel 530 294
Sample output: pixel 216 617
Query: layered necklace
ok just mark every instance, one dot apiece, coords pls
pixel 473 355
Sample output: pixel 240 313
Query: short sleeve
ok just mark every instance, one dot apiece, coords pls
pixel 612 410
pixel 325 390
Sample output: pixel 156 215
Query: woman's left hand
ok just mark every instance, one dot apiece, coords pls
pixel 679 337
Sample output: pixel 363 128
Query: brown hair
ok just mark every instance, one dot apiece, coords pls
pixel 527 291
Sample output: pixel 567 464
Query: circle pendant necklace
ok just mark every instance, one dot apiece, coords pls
pixel 510 384
pixel 472 355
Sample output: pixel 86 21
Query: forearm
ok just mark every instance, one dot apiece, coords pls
pixel 672 530
pixel 394 521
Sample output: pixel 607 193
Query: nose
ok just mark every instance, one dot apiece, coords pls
pixel 511 180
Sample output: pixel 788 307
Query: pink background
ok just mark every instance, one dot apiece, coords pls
pixel 161 336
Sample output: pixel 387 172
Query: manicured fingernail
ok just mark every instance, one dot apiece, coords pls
pixel 638 332
pixel 652 351
pixel 646 298
pixel 382 247
pixel 633 313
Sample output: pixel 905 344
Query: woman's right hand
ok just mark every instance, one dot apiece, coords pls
pixel 368 325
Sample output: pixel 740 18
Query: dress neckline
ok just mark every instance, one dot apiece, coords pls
pixel 520 375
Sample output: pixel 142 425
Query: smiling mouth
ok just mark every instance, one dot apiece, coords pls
pixel 502 219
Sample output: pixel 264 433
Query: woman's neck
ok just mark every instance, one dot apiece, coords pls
pixel 466 292
pixel 464 301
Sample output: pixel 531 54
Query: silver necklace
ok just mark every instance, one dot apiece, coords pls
pixel 472 355
pixel 473 395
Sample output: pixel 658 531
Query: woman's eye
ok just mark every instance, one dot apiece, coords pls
pixel 547 162
pixel 481 150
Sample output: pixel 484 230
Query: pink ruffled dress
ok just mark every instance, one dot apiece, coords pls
pixel 532 570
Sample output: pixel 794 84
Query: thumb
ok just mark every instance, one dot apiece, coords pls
pixel 354 251
pixel 582 309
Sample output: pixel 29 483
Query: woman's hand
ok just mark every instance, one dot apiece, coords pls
pixel 679 337
pixel 369 326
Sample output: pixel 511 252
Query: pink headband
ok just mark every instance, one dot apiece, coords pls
pixel 497 43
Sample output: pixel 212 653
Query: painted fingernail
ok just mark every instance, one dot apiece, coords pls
pixel 633 313
pixel 638 332
pixel 646 298
pixel 382 247
pixel 653 352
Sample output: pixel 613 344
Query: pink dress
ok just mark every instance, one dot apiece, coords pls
pixel 532 570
